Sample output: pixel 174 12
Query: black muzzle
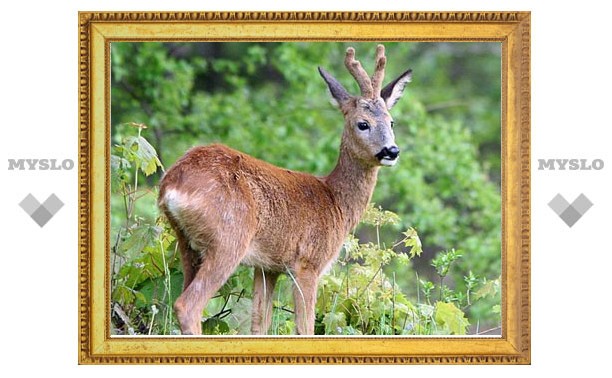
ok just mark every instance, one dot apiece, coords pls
pixel 390 153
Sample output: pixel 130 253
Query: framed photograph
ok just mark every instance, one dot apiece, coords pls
pixel 304 187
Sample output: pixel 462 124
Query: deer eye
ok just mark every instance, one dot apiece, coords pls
pixel 392 124
pixel 363 125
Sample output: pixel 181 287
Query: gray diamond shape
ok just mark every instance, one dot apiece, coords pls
pixel 41 213
pixel 582 204
pixel 558 204
pixel 53 204
pixel 570 216
pixel 570 213
pixel 41 216
pixel 29 204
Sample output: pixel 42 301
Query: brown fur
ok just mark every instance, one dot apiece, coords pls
pixel 229 208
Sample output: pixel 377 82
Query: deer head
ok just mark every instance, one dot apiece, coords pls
pixel 368 133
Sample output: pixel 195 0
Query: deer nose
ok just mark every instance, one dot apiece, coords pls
pixel 389 153
pixel 393 152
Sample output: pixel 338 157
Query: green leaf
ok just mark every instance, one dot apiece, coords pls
pixel 426 310
pixel 153 289
pixel 118 163
pixel 488 289
pixel 140 237
pixel 123 294
pixel 142 153
pixel 350 308
pixel 376 216
pixel 413 241
pixel 403 259
pixel 334 322
pixel 443 261
pixel 451 318
pixel 350 244
pixel 470 280
pixel 119 166
pixel 215 326
pixel 141 298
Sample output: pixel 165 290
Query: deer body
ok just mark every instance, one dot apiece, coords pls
pixel 228 208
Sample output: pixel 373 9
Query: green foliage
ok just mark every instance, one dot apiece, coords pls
pixel 266 99
pixel 443 262
pixel 145 273
pixel 450 319
pixel 137 149
pixel 357 297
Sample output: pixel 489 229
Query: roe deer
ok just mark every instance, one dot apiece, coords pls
pixel 228 208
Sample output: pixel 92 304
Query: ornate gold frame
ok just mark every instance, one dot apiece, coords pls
pixel 98 29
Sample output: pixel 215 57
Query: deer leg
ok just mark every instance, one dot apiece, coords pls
pixel 189 258
pixel 263 289
pixel 304 297
pixel 218 262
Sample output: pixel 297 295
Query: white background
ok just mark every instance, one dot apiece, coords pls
pixel 570 119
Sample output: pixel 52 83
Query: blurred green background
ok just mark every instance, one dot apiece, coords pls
pixel 268 100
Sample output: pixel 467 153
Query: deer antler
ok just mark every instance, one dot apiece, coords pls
pixel 355 68
pixel 370 88
pixel 379 72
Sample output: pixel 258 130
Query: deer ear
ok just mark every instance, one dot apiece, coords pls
pixel 394 90
pixel 339 94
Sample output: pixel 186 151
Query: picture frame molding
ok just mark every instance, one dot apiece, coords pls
pixel 98 29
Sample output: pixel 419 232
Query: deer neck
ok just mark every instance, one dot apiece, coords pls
pixel 352 183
